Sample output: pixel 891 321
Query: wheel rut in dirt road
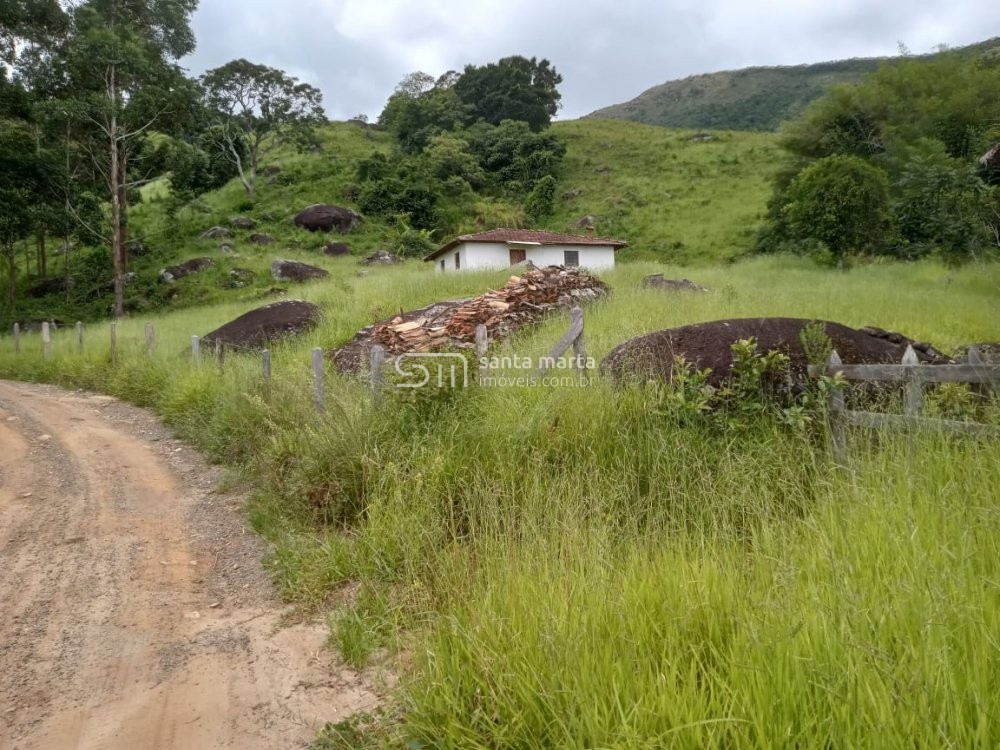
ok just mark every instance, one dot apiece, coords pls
pixel 136 613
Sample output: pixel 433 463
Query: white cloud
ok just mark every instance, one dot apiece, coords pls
pixel 607 51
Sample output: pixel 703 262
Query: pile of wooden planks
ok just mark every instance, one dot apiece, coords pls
pixel 400 335
pixel 521 301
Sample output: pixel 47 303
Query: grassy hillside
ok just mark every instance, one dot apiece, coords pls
pixel 563 566
pixel 758 98
pixel 672 198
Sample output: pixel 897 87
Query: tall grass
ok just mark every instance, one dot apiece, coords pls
pixel 574 567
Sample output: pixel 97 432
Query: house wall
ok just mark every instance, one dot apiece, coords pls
pixel 485 255
pixel 591 256
pixel 475 255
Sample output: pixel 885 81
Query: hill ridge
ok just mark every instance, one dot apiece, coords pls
pixel 758 97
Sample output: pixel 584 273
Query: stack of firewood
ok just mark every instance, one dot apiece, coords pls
pixel 399 335
pixel 522 300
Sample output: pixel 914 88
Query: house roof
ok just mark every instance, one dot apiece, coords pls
pixel 526 237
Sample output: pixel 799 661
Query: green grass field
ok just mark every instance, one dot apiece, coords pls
pixel 579 567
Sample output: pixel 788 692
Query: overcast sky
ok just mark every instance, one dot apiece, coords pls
pixel 608 51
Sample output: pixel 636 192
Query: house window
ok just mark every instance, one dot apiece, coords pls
pixel 571 258
pixel 442 264
pixel 517 255
pixel 458 261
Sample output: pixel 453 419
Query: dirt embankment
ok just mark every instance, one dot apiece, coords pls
pixel 136 613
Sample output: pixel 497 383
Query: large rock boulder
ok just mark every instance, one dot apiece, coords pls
pixel 291 270
pixel 708 345
pixel 656 281
pixel 261 238
pixel 381 258
pixel 215 233
pixel 257 328
pixel 188 267
pixel 324 217
pixel 991 159
pixel 243 222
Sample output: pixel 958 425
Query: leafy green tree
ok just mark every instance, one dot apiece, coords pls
pixel 28 21
pixel 257 106
pixel 122 82
pixel 515 88
pixel 192 170
pixel 941 203
pixel 413 120
pixel 843 202
pixel 846 121
pixel 415 84
pixel 448 156
pixel 514 156
pixel 24 188
pixel 375 167
pixel 404 194
pixel 541 199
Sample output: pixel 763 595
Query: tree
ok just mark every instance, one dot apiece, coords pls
pixel 414 84
pixel 514 156
pixel 415 120
pixel 402 195
pixel 541 199
pixel 29 31
pixel 515 88
pixel 28 21
pixel 843 202
pixel 256 105
pixel 24 186
pixel 121 78
pixel 941 202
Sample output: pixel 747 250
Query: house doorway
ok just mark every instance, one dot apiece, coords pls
pixel 518 255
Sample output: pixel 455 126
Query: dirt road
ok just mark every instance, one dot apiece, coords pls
pixel 134 613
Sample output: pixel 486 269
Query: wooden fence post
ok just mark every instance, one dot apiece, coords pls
pixel 114 343
pixel 79 336
pixel 377 360
pixel 220 352
pixel 46 340
pixel 17 338
pixel 150 339
pixel 579 352
pixel 568 339
pixel 913 397
pixel 265 357
pixel 196 350
pixel 482 344
pixel 319 393
pixel 838 433
pixel 974 358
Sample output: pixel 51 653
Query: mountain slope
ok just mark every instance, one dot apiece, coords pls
pixel 758 98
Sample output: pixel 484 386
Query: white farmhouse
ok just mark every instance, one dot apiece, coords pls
pixel 500 248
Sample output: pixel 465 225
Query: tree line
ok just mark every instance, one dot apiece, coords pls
pixel 893 165
pixel 94 105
